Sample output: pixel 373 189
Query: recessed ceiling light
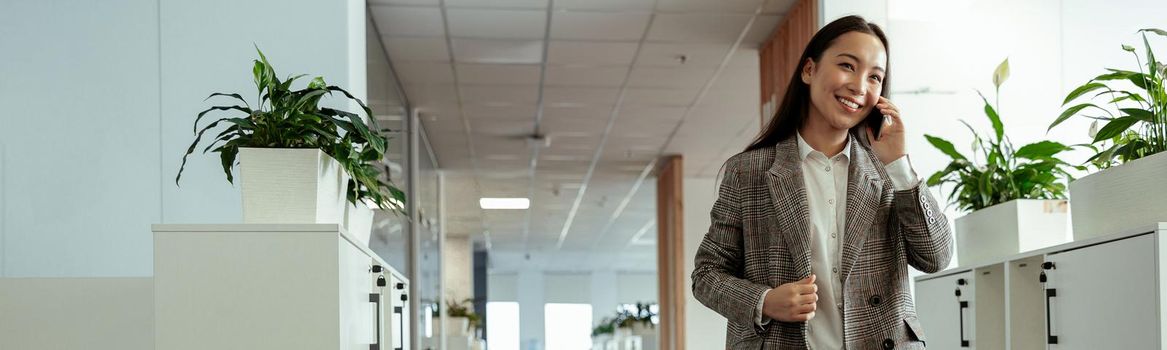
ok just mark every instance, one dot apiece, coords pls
pixel 504 203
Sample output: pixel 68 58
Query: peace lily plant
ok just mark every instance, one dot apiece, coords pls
pixel 1131 107
pixel 1139 128
pixel 1015 196
pixel 289 118
pixel 998 172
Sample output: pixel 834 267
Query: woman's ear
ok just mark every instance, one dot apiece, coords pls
pixel 807 70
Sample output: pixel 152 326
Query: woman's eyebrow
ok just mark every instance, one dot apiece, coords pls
pixel 856 58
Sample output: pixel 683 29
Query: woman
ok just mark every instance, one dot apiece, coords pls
pixel 817 221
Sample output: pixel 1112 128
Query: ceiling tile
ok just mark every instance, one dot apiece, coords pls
pixel 760 31
pixel 406 2
pixel 590 114
pixel 497 24
pixel 676 78
pixel 579 97
pixel 586 76
pixel 609 5
pixel 498 95
pixel 778 6
pixel 500 74
pixel 408 20
pixel 590 53
pixel 515 127
pixel 697 28
pixel 416 49
pixel 522 112
pixel 659 97
pixel 498 51
pixel 598 26
pixel 656 114
pixel 431 95
pixel 720 6
pixel 424 73
pixel 696 55
pixel 532 4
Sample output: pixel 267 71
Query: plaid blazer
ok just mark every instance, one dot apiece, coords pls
pixel 759 238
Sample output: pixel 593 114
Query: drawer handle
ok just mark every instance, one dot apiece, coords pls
pixel 1049 333
pixel 963 305
pixel 375 298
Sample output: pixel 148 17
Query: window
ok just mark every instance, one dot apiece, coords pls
pixel 568 326
pixel 502 325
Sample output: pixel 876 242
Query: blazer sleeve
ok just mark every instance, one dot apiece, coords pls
pixel 720 260
pixel 924 228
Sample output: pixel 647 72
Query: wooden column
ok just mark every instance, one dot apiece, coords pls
pixel 778 57
pixel 671 252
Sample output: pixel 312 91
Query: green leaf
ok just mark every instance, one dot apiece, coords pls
pixel 944 146
pixel 227 159
pixel 1001 73
pixel 1154 30
pixel 1040 150
pixel 217 108
pixel 1070 112
pixel 1140 114
pixel 998 127
pixel 1114 75
pixel 1082 90
pixel 1114 128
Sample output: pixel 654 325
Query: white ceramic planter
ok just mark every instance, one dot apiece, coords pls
pixel 1120 198
pixel 457 326
pixel 291 186
pixel 1010 228
pixel 358 221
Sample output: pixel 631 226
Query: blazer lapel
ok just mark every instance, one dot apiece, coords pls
pixel 788 192
pixel 864 193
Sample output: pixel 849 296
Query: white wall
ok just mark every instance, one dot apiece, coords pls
pixel 100 98
pixel 80 130
pixel 704 329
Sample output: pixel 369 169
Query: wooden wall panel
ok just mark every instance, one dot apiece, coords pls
pixel 671 252
pixel 780 53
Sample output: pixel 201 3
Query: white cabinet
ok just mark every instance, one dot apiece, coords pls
pixel 942 312
pixel 1101 293
pixel 1104 296
pixel 275 286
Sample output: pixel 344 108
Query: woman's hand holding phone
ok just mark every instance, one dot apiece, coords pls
pixel 890 144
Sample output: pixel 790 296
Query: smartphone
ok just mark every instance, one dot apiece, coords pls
pixel 874 120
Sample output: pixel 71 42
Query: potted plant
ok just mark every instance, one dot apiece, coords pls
pixel 1128 190
pixel 1016 200
pixel 460 318
pixel 603 333
pixel 299 162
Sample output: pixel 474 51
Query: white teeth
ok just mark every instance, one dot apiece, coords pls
pixel 849 103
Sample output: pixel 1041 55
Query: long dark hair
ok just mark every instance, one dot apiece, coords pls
pixel 795 106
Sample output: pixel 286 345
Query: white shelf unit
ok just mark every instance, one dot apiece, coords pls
pixel 1102 293
pixel 274 286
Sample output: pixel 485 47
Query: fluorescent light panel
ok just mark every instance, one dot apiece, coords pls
pixel 504 203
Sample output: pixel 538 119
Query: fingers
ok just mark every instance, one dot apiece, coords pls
pixel 806 299
pixel 803 289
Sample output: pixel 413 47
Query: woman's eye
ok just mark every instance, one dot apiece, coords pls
pixel 847 66
pixel 877 78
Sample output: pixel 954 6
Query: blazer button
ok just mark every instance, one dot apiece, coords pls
pixel 874 300
pixel 889 344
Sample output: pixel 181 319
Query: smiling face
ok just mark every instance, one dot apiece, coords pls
pixel 846 82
